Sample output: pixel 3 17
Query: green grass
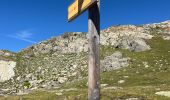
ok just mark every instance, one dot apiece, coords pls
pixel 155 76
pixel 36 95
pixel 142 82
pixel 144 93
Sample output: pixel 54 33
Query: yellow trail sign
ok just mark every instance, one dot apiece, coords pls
pixel 74 10
pixel 78 7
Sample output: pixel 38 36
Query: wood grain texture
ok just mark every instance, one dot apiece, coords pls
pixel 94 61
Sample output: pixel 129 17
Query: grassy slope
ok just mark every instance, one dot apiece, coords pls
pixel 142 82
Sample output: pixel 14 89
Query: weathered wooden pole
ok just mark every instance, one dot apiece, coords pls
pixel 94 48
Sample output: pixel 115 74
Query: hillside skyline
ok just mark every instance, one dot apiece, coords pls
pixel 24 23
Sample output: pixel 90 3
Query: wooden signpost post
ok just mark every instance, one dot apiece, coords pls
pixel 93 7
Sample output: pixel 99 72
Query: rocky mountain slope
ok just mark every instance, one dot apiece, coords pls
pixel 63 60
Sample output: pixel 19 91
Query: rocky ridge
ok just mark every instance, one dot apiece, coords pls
pixel 60 59
pixel 124 36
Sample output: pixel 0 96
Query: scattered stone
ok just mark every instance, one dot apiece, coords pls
pixel 121 81
pixel 62 79
pixel 5 90
pixel 137 72
pixel 22 93
pixel 132 99
pixel 34 88
pixel 163 93
pixel 146 64
pixel 71 89
pixel 166 37
pixel 104 85
pixel 126 76
pixel 59 94
pixel 112 88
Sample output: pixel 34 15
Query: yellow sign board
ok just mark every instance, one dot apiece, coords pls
pixel 78 7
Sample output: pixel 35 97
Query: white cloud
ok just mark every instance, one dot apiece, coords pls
pixel 23 35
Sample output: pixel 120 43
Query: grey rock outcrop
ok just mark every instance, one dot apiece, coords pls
pixel 126 37
pixel 114 61
pixel 129 37
pixel 6 53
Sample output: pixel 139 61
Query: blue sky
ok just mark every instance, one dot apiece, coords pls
pixel 26 22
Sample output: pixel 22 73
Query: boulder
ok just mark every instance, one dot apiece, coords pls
pixel 113 62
